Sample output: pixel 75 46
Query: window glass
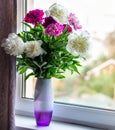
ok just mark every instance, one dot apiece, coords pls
pixel 95 86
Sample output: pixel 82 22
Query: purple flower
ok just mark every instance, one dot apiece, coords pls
pixel 54 29
pixel 48 20
pixel 34 17
pixel 73 20
pixel 69 28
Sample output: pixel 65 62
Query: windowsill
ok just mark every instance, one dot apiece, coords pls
pixel 28 123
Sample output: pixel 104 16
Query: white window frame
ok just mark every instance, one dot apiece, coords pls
pixel 83 115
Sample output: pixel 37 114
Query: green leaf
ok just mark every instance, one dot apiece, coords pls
pixel 28 25
pixel 36 64
pixel 44 63
pixel 22 70
pixel 41 27
pixel 74 68
pixel 27 76
pixel 59 76
pixel 48 66
pixel 19 59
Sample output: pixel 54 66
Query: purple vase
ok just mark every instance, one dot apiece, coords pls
pixel 43 102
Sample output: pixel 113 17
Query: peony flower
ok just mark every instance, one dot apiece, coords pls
pixel 33 48
pixel 73 20
pixel 13 45
pixel 34 17
pixel 54 29
pixel 78 43
pixel 48 20
pixel 58 12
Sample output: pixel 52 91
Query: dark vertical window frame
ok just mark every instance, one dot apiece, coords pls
pixel 8 13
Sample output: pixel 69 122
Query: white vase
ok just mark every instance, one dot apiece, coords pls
pixel 43 102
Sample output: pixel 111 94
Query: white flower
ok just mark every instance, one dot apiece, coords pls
pixel 58 12
pixel 78 43
pixel 33 48
pixel 13 45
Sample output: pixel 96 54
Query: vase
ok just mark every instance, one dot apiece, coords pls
pixel 43 102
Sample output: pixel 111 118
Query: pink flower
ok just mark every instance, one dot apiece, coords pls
pixel 73 20
pixel 34 17
pixel 48 20
pixel 54 29
pixel 69 29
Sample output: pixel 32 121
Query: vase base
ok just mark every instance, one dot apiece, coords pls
pixel 43 118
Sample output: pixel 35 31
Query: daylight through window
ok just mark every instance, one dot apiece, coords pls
pixel 95 86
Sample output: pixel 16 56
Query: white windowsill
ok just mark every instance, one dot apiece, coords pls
pixel 28 123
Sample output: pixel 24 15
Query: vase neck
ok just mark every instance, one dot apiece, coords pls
pixel 43 82
pixel 43 87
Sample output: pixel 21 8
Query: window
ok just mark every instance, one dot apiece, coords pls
pixel 88 99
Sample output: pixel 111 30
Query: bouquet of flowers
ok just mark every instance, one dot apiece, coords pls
pixel 52 43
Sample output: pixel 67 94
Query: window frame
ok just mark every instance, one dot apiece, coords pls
pixel 70 113
pixel 77 114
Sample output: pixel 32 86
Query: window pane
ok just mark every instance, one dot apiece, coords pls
pixel 95 86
